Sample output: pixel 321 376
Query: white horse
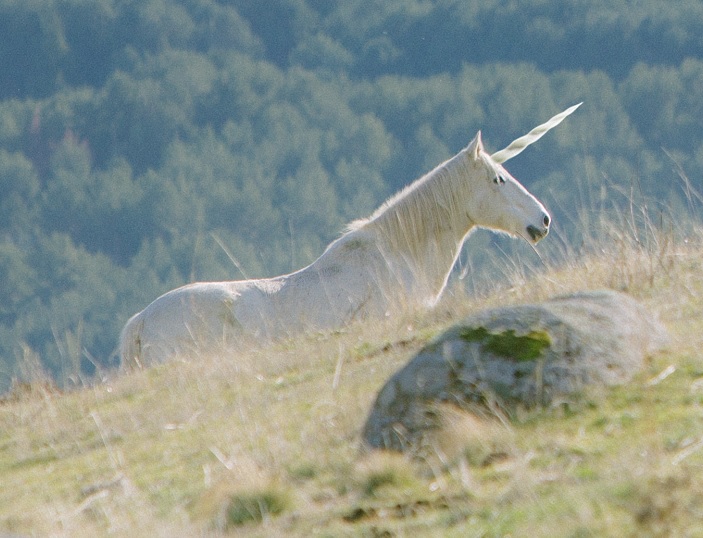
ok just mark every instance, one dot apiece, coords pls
pixel 400 257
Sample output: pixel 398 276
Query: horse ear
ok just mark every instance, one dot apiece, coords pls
pixel 475 146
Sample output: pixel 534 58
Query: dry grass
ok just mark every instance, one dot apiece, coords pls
pixel 266 443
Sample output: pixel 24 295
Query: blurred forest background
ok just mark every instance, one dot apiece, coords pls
pixel 145 144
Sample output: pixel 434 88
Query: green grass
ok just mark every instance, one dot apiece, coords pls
pixel 267 443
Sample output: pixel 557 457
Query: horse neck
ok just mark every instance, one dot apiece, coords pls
pixel 424 227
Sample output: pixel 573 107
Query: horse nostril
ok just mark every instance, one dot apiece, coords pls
pixel 535 233
pixel 546 220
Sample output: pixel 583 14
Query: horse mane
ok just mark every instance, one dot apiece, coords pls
pixel 419 211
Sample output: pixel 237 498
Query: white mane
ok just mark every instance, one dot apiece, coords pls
pixel 419 211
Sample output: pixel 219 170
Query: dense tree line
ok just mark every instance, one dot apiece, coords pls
pixel 148 143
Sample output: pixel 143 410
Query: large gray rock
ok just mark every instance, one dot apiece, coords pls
pixel 525 355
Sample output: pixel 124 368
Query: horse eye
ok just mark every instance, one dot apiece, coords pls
pixel 499 180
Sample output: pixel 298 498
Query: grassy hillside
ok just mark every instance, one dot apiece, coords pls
pixel 267 443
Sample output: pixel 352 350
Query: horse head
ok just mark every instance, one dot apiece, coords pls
pixel 505 205
pixel 499 202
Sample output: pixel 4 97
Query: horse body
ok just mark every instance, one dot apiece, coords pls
pixel 401 257
pixel 348 282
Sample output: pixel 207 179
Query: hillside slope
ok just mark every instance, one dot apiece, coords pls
pixel 267 443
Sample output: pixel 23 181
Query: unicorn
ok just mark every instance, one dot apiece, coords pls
pixel 399 258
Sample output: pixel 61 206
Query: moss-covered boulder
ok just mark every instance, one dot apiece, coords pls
pixel 518 356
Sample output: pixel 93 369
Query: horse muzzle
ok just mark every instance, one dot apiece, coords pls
pixel 536 233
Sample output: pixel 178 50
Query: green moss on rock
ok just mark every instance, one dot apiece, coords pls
pixel 507 344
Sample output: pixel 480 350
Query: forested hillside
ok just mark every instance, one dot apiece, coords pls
pixel 149 143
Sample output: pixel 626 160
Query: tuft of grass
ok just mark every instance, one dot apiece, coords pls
pixel 383 472
pixel 254 506
pixel 234 502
